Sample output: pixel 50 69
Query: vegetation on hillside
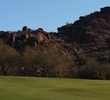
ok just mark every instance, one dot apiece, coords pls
pixel 80 49
pixel 90 34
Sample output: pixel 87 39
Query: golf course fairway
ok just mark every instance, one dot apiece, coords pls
pixel 37 88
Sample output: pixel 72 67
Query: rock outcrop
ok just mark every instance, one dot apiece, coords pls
pixel 90 34
pixel 32 38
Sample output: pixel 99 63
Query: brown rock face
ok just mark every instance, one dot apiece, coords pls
pixel 39 34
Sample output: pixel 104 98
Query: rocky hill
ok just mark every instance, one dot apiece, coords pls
pixel 88 37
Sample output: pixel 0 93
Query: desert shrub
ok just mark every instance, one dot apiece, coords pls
pixel 9 59
pixel 94 70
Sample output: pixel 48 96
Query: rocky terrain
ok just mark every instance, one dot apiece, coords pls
pixel 88 37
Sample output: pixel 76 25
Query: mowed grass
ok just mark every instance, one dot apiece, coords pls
pixel 34 88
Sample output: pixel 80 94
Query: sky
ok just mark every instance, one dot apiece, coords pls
pixel 46 14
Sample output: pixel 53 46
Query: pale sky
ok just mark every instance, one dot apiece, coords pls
pixel 46 14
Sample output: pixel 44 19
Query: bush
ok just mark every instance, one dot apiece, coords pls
pixel 94 70
pixel 9 59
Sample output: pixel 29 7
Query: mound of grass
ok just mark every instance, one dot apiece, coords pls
pixel 34 88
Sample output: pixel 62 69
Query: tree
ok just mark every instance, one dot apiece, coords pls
pixel 53 63
pixel 47 62
pixel 9 59
pixel 30 61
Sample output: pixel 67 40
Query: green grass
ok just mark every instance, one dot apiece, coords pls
pixel 34 88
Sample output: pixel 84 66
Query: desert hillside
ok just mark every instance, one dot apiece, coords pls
pixel 65 53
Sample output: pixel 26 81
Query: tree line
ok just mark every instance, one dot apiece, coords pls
pixel 48 62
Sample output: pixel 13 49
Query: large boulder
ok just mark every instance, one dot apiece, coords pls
pixel 25 28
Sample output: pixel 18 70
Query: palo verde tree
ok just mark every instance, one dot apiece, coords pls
pixel 47 62
pixel 29 61
pixel 9 59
